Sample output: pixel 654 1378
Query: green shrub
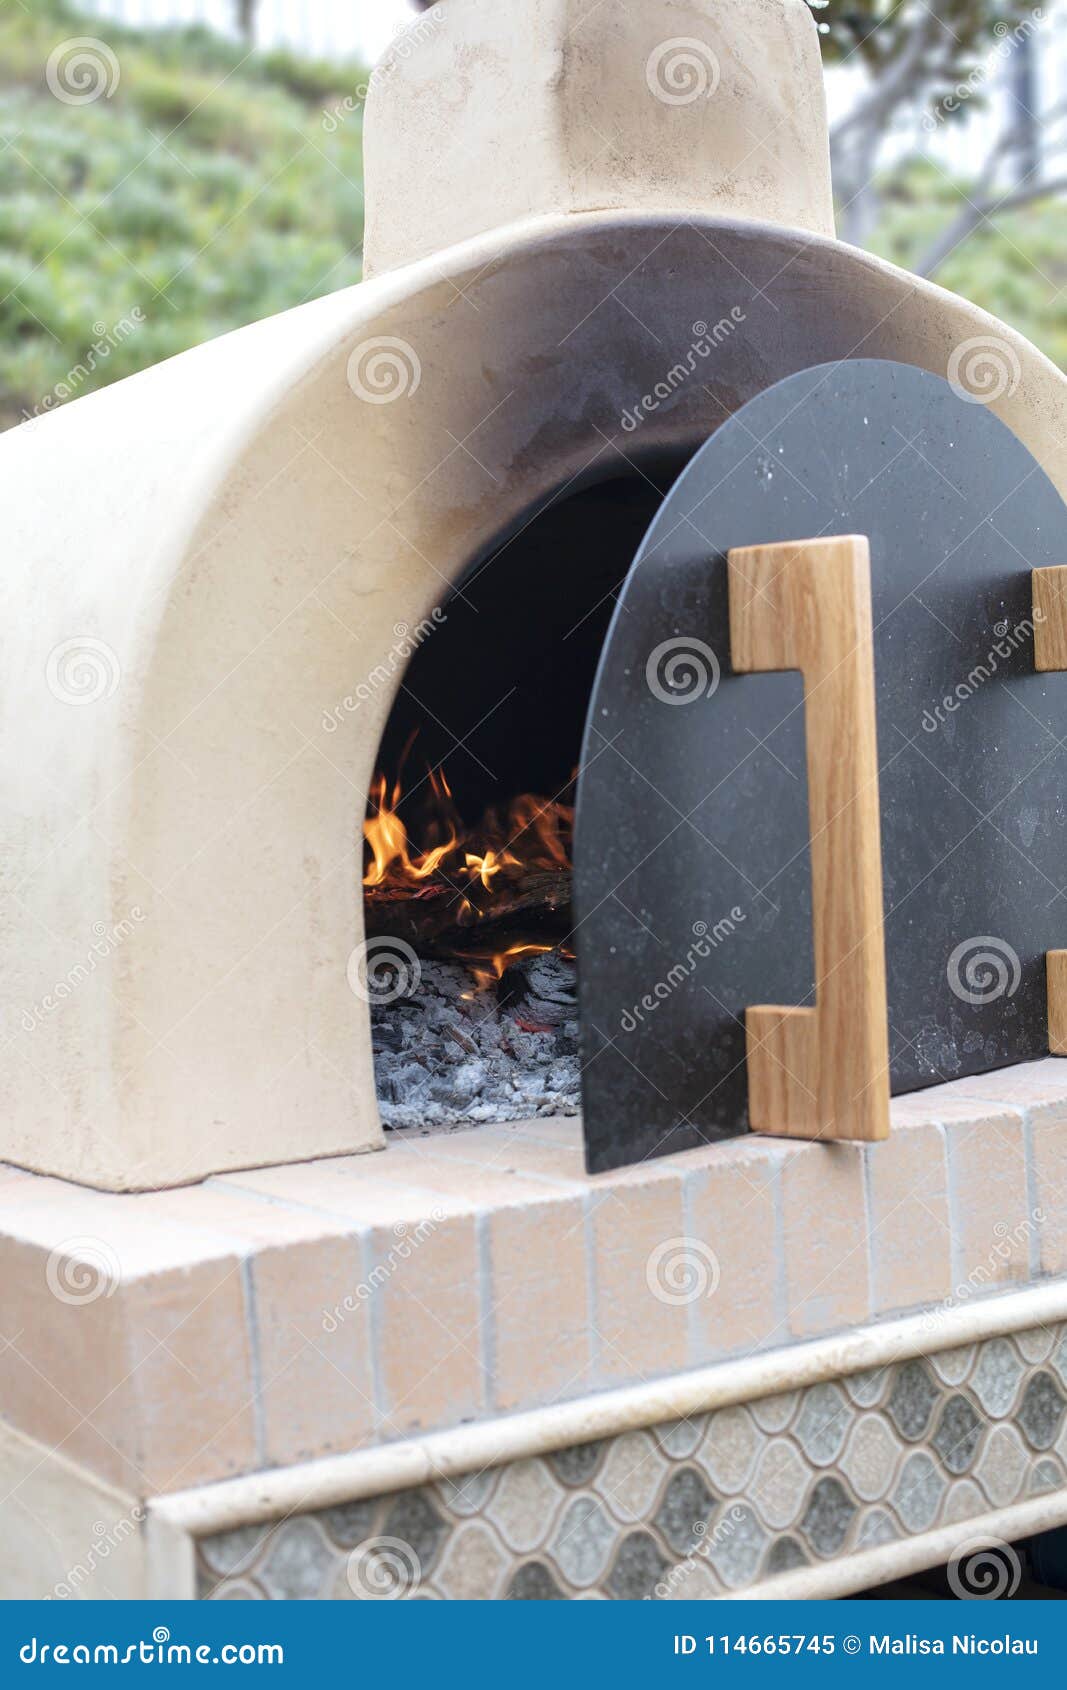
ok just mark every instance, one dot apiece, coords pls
pixel 202 194
pixel 1014 266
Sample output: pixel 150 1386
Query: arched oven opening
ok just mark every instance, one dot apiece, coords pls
pixel 469 826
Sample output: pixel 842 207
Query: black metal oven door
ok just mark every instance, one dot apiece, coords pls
pixel 692 882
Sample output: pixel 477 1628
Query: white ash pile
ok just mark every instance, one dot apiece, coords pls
pixel 460 1050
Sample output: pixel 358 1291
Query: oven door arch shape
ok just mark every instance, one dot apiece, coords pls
pixel 692 880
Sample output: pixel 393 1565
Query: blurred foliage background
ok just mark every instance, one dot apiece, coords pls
pixel 206 191
pixel 215 185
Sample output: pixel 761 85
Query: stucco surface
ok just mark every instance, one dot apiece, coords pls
pixel 245 537
pixel 484 113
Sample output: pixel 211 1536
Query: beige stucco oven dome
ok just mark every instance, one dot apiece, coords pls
pixel 205 562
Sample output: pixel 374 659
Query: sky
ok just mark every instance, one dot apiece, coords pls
pixel 378 20
pixel 362 27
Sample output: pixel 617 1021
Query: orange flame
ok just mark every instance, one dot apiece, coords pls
pixel 387 837
pixel 533 833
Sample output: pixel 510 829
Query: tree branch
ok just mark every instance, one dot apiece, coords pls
pixel 974 214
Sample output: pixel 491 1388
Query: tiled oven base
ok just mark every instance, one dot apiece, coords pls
pixel 354 1304
pixel 712 1505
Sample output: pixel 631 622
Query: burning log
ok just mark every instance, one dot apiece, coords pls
pixel 437 921
pixel 478 895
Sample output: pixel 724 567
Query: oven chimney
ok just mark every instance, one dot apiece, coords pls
pixel 486 112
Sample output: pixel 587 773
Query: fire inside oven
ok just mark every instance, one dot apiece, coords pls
pixel 469 829
pixel 695 820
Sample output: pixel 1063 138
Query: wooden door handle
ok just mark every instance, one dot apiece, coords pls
pixel 1048 589
pixel 823 1072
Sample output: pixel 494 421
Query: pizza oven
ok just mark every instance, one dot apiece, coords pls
pixel 420 742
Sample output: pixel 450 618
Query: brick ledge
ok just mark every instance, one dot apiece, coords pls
pixel 268 1319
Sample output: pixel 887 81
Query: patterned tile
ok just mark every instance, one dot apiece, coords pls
pixel 583 1542
pixel 728 1452
pixel 639 1567
pixel 829 1514
pixel 953 1366
pixel 576 1466
pixel 473 1566
pixel 685 1511
pixel 963 1501
pixel 235 1590
pixel 298 1562
pixel 680 1437
pixel 911 1399
pixel 918 1491
pixel 525 1504
pixel 694 1508
pixel 233 1552
pixel 1037 1345
pixel 631 1476
pixel 1047 1475
pixel 784 1554
pixel 469 1494
pixel 534 1583
pixel 779 1483
pixel 871 1458
pixel 995 1381
pixel 738 1547
pixel 693 1581
pixel 773 1414
pixel 823 1423
pixel 957 1434
pixel 1041 1412
pixel 349 1523
pixel 414 1520
pixel 868 1388
pixel 876 1527
pixel 1002 1466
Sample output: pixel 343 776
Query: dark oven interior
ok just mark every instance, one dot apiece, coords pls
pixel 469 827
